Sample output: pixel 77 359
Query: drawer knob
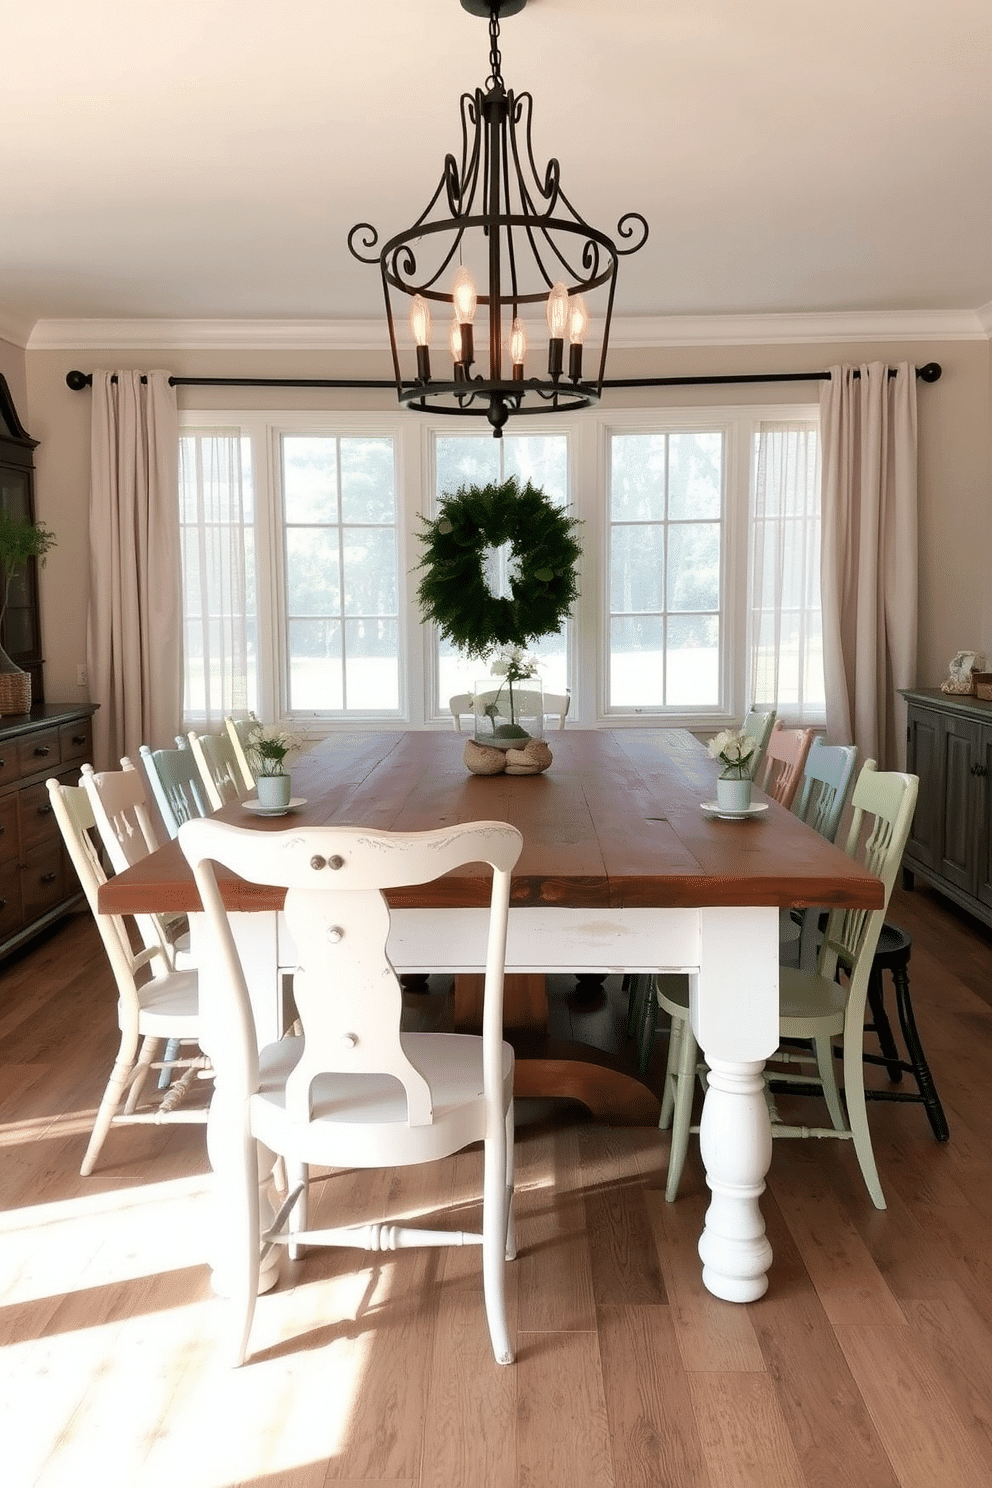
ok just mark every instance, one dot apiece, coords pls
pixel 79 738
pixel 45 809
pixel 979 770
pixel 3 904
pixel 42 750
pixel 2 829
pixel 48 878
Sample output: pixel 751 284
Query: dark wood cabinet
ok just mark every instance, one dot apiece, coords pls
pixel 949 746
pixel 38 883
pixel 20 634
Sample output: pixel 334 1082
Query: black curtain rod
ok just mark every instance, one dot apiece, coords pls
pixel 79 380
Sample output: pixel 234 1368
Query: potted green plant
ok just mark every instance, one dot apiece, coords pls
pixel 20 540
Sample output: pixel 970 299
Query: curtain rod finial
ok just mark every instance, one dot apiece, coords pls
pixel 930 372
pixel 76 381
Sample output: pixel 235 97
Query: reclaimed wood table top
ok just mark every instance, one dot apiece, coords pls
pixel 614 823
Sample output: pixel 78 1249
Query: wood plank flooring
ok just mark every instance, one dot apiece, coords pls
pixel 867 1365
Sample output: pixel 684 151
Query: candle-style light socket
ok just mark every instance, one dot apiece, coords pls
pixel 424 364
pixel 468 345
pixel 518 371
pixel 461 372
pixel 575 361
pixel 555 346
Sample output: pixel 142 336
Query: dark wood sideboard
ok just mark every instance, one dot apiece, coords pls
pixel 38 883
pixel 949 746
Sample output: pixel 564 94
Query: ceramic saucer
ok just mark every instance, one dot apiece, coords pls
pixel 258 809
pixel 713 808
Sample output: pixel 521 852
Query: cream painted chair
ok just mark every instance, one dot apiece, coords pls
pixel 815 1006
pixel 556 706
pixel 164 1007
pixel 353 1090
pixel 239 732
pixel 218 767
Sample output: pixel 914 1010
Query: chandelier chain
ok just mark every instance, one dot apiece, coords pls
pixel 495 78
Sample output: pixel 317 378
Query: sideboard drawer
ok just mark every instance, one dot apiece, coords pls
pixel 76 741
pixel 9 764
pixel 8 829
pixel 37 816
pixel 11 913
pixel 36 752
pixel 43 879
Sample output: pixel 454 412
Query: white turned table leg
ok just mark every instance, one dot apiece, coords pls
pixel 735 1140
pixel 734 1012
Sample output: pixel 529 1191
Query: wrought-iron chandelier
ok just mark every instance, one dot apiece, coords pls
pixel 517 232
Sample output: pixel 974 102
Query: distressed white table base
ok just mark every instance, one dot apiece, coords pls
pixel 731 957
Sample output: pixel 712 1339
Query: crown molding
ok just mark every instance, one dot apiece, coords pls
pixel 208 335
pixel 627 332
pixel 984 317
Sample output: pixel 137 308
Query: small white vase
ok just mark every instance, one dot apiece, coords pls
pixel 273 791
pixel 733 794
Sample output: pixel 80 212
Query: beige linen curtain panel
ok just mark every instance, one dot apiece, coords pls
pixel 134 634
pixel 868 574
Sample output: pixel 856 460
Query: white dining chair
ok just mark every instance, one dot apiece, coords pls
pixel 164 1007
pixel 239 732
pixel 555 704
pixel 353 1090
pixel 814 1006
pixel 218 766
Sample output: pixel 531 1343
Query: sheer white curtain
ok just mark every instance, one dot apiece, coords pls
pixel 869 566
pixel 218 576
pixel 133 644
pixel 786 637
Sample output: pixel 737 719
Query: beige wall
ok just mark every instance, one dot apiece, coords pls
pixel 955 415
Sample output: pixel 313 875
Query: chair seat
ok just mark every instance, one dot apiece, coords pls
pixel 370 1111
pixel 804 999
pixel 168 1005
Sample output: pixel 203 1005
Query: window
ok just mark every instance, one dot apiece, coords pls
pixel 217 538
pixel 712 556
pixel 342 591
pixel 699 592
pixel 666 535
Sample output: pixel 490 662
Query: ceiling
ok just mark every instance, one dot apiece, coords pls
pixel 206 158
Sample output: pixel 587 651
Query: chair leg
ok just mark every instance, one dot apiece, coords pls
pixel 828 1080
pixel 685 1084
pixel 494 1232
pixel 149 1048
pixel 242 1269
pixel 116 1086
pixel 881 1027
pixel 671 1072
pixel 917 1058
pixel 511 1231
pixel 647 1027
pixel 857 1110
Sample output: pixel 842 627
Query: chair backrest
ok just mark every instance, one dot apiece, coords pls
pixel 758 726
pixel 73 809
pixel 176 784
pixel 239 732
pixel 556 705
pixel 119 803
pixel 828 778
pixel 219 770
pixel 883 805
pixel 785 757
pixel 346 992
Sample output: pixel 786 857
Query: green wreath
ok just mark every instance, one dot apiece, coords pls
pixel 544 585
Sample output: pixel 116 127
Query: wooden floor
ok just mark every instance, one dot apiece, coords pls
pixel 867 1365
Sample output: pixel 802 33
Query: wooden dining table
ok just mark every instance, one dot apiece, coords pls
pixel 620 871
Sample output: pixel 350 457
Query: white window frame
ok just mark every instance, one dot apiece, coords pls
pixel 739 425
pixel 588 435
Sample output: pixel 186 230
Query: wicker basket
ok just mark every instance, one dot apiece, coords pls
pixel 15 693
pixel 983 684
